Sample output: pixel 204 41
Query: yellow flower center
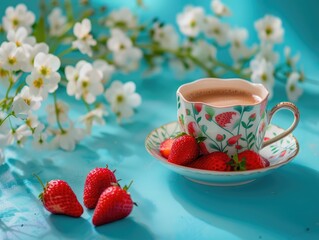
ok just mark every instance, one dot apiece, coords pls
pixel 85 84
pixel 292 88
pixel 193 23
pixel 268 30
pixel 44 70
pixel 122 47
pixel 12 60
pixel 27 101
pixel 264 77
pixel 216 31
pixel 28 122
pixel 15 22
pixel 120 98
pixel 38 83
pixel 3 73
pixel 19 44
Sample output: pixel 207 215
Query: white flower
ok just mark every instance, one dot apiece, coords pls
pixel 263 72
pixel 165 36
pixel 72 75
pixel 87 84
pixel 19 135
pixel 266 52
pixel 204 51
pixel 291 61
pixel 219 8
pixel 68 138
pixel 18 17
pixel 57 22
pixel 238 48
pixel 129 59
pixel 122 18
pixel 191 21
pixel 84 39
pixel 24 102
pixel 94 116
pixel 104 68
pixel 32 121
pixel 126 55
pixel 123 98
pixel 12 58
pixel 31 52
pixel 62 109
pixel 46 64
pixel 6 78
pixel 20 37
pixel 40 137
pixel 270 29
pixel 214 28
pixel 118 41
pixel 293 91
pixel 41 85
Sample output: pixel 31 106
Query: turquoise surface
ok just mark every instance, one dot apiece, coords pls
pixel 283 205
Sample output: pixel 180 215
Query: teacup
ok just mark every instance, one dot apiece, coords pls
pixel 229 113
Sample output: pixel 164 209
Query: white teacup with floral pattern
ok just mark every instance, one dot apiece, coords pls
pixel 229 129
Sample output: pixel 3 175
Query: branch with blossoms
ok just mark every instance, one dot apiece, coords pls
pixel 62 51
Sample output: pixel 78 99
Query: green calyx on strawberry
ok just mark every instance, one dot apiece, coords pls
pixel 96 182
pixel 58 198
pixel 115 203
pixel 247 160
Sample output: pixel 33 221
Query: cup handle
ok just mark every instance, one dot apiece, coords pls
pixel 280 106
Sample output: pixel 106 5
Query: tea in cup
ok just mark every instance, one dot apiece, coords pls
pixel 229 113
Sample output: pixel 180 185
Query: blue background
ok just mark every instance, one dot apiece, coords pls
pixel 283 205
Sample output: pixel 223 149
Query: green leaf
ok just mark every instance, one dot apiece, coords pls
pixel 248 108
pixel 249 135
pixel 178 105
pixel 212 145
pixel 200 139
pixel 198 119
pixel 188 112
pixel 251 145
pixel 250 125
pixel 244 125
pixel 68 10
pixel 238 109
pixel 39 30
pixel 210 111
pixel 204 128
pixel 243 139
pixel 163 135
pixel 154 136
pixel 250 140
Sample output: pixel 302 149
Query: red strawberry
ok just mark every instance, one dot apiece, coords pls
pixel 184 150
pixel 203 148
pixel 114 204
pixel 58 198
pixel 250 160
pixel 216 161
pixel 231 141
pixel 224 118
pixel 96 182
pixel 165 147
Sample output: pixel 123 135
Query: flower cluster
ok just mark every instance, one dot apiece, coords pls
pixel 60 51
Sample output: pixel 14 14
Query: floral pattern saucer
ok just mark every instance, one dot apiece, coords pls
pixel 278 154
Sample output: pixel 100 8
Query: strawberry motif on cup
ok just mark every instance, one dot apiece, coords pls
pixel 192 129
pixel 198 107
pixel 220 138
pixel 231 141
pixel 228 120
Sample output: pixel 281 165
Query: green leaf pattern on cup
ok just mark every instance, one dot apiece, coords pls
pixel 242 124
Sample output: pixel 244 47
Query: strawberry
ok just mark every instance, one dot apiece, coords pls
pixel 216 161
pixel 58 198
pixel 165 147
pixel 114 204
pixel 248 160
pixel 184 150
pixel 198 107
pixel 191 127
pixel 96 182
pixel 203 148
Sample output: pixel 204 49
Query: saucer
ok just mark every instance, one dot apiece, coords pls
pixel 278 154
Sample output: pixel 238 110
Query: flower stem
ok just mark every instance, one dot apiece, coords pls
pixel 57 113
pixel 3 120
pixel 65 52
pixel 86 104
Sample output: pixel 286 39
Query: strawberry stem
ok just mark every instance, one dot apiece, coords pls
pixel 39 180
pixel 127 187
